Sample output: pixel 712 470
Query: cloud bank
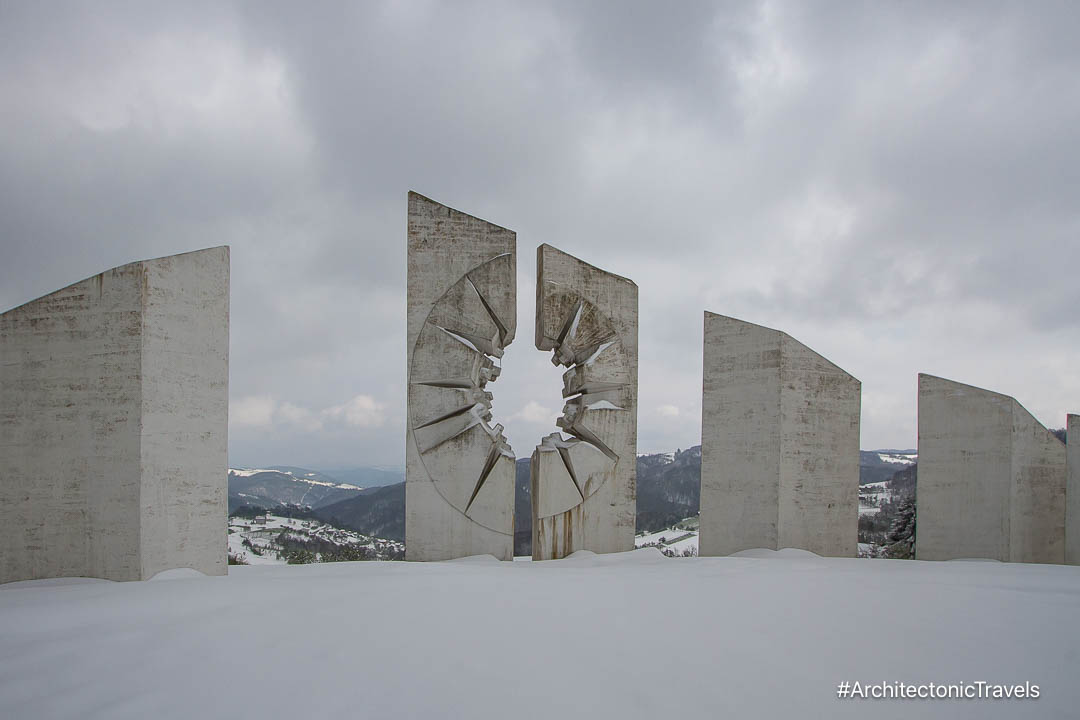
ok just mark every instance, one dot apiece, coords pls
pixel 895 186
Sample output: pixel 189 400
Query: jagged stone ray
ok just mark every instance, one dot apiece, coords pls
pixel 487 306
pixel 493 456
pixel 488 346
pixel 586 435
pixel 447 416
pixel 565 453
pixel 571 324
pixel 451 384
pixel 436 432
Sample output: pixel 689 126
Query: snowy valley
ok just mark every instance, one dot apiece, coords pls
pixel 668 496
pixel 268 539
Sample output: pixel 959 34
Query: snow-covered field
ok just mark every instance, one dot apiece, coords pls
pixel 674 540
pixel 765 636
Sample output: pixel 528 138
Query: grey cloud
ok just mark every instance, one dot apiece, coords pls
pixel 855 174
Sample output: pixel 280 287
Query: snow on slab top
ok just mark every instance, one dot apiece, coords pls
pixel 767 641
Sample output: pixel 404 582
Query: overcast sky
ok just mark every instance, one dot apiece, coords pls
pixel 895 185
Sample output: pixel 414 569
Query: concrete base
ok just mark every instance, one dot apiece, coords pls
pixel 779 444
pixel 462 294
pixel 114 423
pixel 991 478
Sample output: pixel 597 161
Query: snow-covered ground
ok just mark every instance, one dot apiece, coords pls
pixel 767 636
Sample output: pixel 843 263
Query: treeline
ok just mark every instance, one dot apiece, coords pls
pixel 302 550
pixel 892 528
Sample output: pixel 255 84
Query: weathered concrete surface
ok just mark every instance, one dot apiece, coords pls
pixel 1072 492
pixel 991 478
pixel 114 423
pixel 779 444
pixel 462 312
pixel 584 489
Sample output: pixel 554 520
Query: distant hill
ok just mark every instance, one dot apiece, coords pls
pixel 278 486
pixel 668 490
pixel 367 477
pixel 879 465
pixel 376 511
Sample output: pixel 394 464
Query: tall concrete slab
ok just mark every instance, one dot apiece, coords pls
pixel 1072 492
pixel 779 444
pixel 991 478
pixel 584 489
pixel 114 423
pixel 462 300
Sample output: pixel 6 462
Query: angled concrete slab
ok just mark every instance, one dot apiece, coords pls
pixel 780 444
pixel 991 478
pixel 114 423
pixel 584 484
pixel 462 313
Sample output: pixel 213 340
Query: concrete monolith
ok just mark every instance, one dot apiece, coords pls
pixel 114 423
pixel 991 478
pixel 779 444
